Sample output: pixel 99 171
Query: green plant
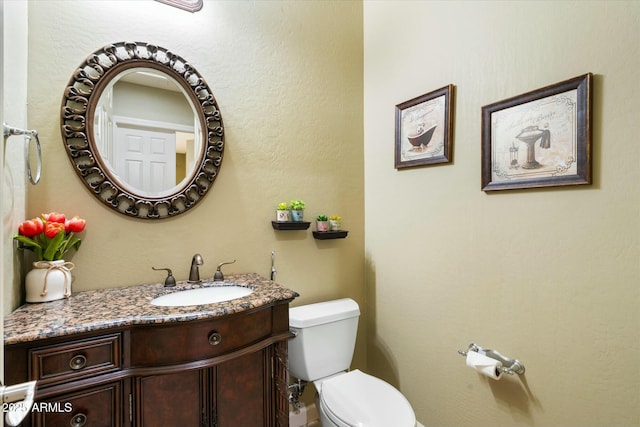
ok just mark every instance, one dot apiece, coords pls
pixel 321 218
pixel 282 206
pixel 297 205
pixel 335 217
pixel 50 236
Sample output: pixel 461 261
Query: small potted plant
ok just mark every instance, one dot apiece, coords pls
pixel 334 222
pixel 297 210
pixel 322 223
pixel 282 212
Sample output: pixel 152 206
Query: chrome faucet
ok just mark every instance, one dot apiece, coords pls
pixel 194 274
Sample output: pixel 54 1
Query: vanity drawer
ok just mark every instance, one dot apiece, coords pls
pixel 184 342
pixel 100 406
pixel 75 359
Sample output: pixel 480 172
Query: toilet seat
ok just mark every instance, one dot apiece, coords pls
pixel 356 399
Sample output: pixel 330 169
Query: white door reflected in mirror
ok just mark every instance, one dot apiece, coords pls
pixel 146 131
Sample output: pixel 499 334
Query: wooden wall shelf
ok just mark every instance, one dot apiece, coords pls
pixel 326 235
pixel 290 225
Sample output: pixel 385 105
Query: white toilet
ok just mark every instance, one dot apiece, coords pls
pixel 321 352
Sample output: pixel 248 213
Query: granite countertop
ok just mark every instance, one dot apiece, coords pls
pixel 116 307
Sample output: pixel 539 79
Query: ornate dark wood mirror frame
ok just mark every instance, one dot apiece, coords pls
pixel 77 122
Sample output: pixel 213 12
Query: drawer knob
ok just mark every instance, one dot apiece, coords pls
pixel 78 420
pixel 78 362
pixel 215 338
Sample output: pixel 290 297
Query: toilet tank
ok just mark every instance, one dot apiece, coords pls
pixel 325 338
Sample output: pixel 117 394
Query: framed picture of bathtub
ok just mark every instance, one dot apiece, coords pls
pixel 423 129
pixel 539 139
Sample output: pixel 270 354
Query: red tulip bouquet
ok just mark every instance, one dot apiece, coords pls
pixel 50 236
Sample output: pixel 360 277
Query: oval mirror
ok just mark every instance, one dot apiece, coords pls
pixel 142 130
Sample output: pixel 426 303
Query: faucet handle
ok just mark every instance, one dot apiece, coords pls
pixel 170 281
pixel 218 276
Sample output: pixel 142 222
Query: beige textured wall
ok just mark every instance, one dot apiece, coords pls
pixel 288 80
pixel 547 276
pixel 3 238
pixel 14 113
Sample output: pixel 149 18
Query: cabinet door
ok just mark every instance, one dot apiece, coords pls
pixel 242 391
pixel 96 407
pixel 172 400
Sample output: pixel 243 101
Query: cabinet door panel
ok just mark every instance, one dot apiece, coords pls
pixel 171 400
pixel 241 391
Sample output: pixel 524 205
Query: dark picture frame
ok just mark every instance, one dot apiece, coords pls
pixel 539 139
pixel 424 129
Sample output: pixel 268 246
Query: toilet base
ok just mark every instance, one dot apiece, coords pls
pixel 304 415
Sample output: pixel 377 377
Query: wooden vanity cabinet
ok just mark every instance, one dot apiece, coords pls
pixel 227 371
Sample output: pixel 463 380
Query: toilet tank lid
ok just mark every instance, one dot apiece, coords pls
pixel 323 312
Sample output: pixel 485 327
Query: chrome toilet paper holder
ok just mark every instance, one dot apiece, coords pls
pixel 509 366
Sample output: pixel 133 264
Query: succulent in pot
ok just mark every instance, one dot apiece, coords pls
pixel 335 222
pixel 297 210
pixel 322 223
pixel 282 212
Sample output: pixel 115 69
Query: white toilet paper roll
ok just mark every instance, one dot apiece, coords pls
pixel 485 365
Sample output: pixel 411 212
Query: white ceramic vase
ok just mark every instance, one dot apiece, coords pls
pixel 49 281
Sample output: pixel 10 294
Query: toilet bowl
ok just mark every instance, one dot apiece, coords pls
pixel 321 352
pixel 358 399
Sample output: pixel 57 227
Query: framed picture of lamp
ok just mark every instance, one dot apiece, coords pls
pixel 423 129
pixel 539 139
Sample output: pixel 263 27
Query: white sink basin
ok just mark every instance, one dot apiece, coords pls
pixel 201 296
